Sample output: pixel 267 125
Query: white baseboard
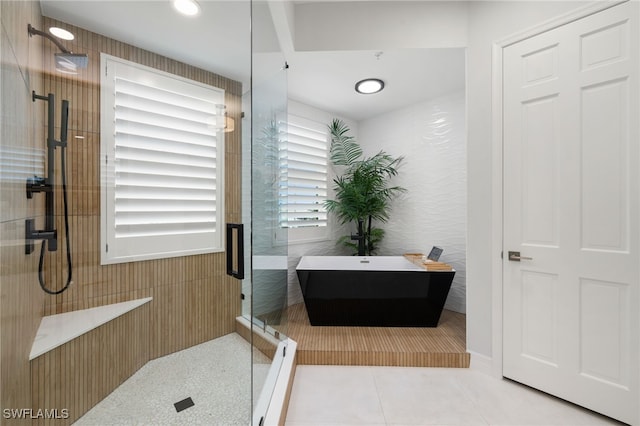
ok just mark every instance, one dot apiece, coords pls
pixel 481 363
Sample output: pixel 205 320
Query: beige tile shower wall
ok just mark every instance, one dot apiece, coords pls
pixel 193 299
pixel 21 301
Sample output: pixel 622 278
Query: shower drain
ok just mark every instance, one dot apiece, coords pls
pixel 184 404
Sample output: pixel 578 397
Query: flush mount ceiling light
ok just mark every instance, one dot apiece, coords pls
pixel 61 33
pixel 369 86
pixel 186 7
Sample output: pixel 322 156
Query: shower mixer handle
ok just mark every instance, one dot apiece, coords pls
pixel 37 184
pixel 30 234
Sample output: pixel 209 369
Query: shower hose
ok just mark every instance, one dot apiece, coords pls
pixel 63 162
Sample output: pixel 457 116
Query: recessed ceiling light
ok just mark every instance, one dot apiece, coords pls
pixel 61 33
pixel 369 86
pixel 187 7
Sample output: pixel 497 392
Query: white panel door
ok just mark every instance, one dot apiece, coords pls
pixel 571 194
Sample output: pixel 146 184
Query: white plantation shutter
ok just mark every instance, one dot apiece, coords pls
pixel 303 160
pixel 163 157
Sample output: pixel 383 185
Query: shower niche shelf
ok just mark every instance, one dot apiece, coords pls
pixel 56 330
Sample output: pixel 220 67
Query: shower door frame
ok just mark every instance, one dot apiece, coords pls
pixel 266 258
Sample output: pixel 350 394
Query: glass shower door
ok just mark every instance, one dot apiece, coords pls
pixel 268 255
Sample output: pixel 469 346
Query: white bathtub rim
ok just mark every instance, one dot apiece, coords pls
pixel 358 263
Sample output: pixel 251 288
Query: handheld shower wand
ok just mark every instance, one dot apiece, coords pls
pixel 67 62
pixel 50 235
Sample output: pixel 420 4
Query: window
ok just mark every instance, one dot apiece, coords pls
pixel 303 161
pixel 162 161
pixel 17 164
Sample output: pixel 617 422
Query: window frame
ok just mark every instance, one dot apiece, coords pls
pixel 308 234
pixel 138 248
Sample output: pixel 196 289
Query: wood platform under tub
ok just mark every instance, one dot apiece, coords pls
pixel 442 346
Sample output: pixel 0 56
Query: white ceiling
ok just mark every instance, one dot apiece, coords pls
pixel 219 40
pixel 327 79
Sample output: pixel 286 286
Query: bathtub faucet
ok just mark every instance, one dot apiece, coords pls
pixel 361 241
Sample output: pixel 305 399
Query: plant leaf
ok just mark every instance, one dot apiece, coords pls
pixel 362 192
pixel 344 150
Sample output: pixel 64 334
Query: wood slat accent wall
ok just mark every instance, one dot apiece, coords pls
pixel 79 374
pixel 193 299
pixel 21 300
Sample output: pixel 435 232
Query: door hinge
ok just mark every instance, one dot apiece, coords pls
pixel 106 247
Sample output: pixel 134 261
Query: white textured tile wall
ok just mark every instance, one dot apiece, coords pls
pixel 432 138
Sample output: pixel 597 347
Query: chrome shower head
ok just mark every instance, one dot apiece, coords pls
pixel 70 62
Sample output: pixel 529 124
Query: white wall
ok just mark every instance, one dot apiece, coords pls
pixel 431 136
pixel 488 22
pixel 475 24
pixel 379 25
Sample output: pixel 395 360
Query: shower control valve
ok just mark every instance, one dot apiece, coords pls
pixel 37 184
pixel 30 234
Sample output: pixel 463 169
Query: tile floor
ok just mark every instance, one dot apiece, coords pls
pixel 372 396
pixel 216 376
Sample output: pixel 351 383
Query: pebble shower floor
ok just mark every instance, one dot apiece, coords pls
pixel 216 375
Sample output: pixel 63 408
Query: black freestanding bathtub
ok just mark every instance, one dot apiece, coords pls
pixel 376 291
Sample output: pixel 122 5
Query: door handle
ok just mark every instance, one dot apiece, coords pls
pixel 515 256
pixel 235 258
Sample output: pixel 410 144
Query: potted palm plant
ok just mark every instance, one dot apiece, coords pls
pixel 362 192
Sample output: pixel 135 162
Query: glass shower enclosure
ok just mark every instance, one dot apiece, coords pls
pixel 189 298
pixel 266 309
